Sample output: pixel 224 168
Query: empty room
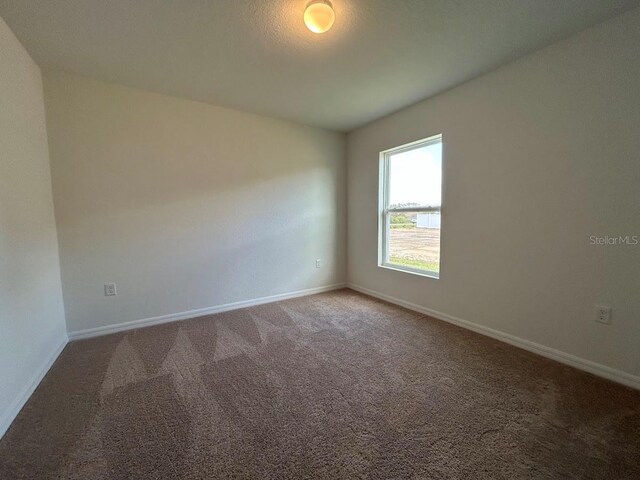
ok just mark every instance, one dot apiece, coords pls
pixel 319 239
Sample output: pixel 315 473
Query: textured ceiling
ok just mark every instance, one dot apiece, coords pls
pixel 257 55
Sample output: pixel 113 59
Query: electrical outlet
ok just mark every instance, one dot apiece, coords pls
pixel 318 263
pixel 110 289
pixel 603 314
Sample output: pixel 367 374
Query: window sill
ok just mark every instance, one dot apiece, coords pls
pixel 412 271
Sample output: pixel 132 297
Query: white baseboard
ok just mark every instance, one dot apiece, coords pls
pixel 9 416
pixel 603 371
pixel 172 317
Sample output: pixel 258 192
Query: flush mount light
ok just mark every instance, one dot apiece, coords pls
pixel 319 16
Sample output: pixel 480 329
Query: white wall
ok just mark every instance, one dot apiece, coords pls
pixel 186 205
pixel 32 328
pixel 538 156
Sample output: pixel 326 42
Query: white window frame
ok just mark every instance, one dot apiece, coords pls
pixel 384 212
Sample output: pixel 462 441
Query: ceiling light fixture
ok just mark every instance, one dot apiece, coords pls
pixel 319 16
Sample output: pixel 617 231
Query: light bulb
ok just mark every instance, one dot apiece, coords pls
pixel 319 16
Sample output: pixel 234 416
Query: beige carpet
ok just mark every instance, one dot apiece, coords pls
pixel 335 386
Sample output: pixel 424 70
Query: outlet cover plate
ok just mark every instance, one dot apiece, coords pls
pixel 110 290
pixel 603 314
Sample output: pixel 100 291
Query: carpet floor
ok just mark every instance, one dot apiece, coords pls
pixel 331 386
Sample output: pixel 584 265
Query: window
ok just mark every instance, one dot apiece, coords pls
pixel 410 203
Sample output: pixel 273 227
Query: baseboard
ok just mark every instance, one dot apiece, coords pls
pixel 603 371
pixel 172 317
pixel 9 416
